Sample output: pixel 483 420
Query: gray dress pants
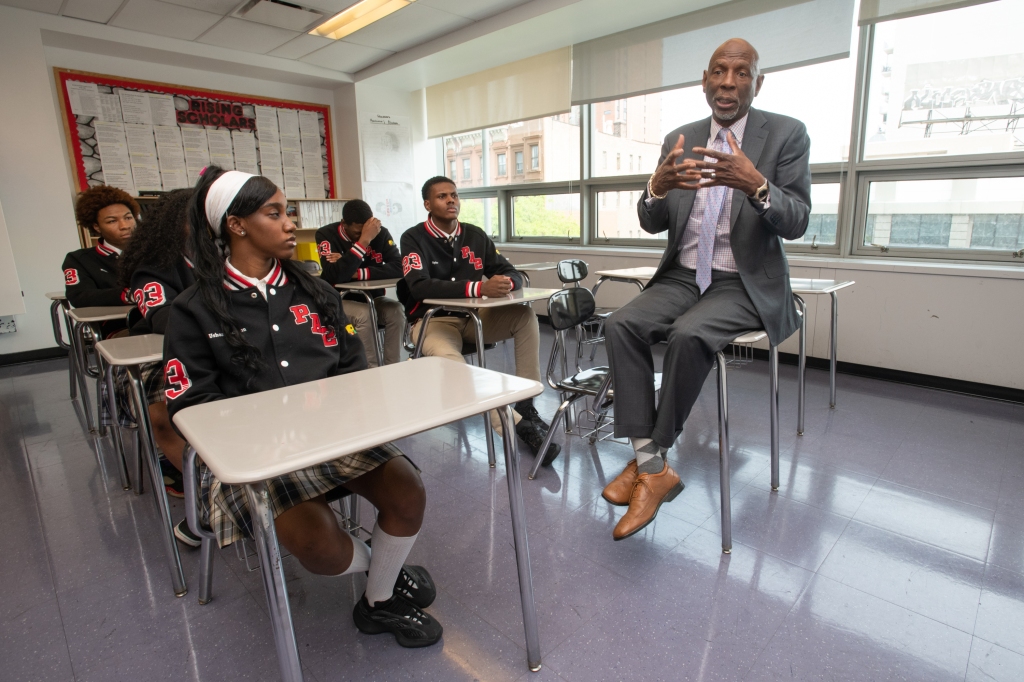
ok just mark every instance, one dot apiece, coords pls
pixel 695 327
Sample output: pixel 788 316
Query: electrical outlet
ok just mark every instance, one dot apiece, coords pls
pixel 7 325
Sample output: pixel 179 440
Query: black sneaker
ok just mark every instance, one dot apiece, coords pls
pixel 173 481
pixel 185 535
pixel 416 586
pixel 533 436
pixel 411 627
pixel 530 412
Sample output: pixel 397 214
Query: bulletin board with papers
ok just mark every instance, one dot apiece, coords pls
pixel 147 137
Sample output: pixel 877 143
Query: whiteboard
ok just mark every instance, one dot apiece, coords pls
pixel 11 300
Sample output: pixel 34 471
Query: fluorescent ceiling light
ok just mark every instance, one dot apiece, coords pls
pixel 359 15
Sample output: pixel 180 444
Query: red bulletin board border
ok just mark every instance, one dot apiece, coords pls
pixel 71 131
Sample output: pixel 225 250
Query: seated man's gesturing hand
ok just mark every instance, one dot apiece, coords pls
pixel 731 170
pixel 496 286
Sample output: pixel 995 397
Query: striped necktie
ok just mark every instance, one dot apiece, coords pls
pixel 709 225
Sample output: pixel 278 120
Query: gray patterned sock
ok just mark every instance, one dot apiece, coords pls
pixel 649 456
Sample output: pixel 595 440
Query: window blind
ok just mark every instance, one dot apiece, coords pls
pixel 529 88
pixel 873 11
pixel 674 53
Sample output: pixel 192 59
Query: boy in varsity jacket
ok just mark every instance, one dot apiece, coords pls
pixel 91 274
pixel 443 258
pixel 360 249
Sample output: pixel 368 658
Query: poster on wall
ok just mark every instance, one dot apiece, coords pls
pixel 386 143
pixel 147 137
pixel 396 204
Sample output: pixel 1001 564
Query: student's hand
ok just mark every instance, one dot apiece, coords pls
pixel 333 257
pixel 371 228
pixel 496 287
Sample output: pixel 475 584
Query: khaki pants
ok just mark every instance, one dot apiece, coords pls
pixel 391 314
pixel 517 322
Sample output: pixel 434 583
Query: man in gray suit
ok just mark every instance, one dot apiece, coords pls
pixel 727 207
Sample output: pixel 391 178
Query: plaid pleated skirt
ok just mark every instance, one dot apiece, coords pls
pixel 225 508
pixel 152 376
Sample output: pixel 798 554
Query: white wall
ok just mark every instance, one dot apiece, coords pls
pixel 955 321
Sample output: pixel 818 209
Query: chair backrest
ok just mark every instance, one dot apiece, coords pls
pixel 572 270
pixel 310 266
pixel 570 307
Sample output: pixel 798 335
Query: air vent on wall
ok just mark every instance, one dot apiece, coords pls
pixel 280 14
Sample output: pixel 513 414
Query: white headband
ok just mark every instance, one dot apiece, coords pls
pixel 222 192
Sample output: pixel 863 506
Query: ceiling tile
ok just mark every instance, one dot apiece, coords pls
pixel 247 36
pixel 47 6
pixel 91 10
pixel 220 7
pixel 477 10
pixel 282 16
pixel 411 25
pixel 300 46
pixel 332 7
pixel 150 16
pixel 346 57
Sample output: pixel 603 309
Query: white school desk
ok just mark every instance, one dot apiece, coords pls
pixel 132 352
pixel 92 317
pixel 527 268
pixel 470 306
pixel 252 438
pixel 365 288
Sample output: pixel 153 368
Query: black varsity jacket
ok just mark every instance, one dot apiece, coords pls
pixel 285 326
pixel 433 267
pixel 90 279
pixel 153 289
pixel 381 260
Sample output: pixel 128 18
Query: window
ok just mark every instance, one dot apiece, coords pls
pixel 546 215
pixel 617 217
pixel 618 162
pixel 502 165
pixel 451 170
pixel 946 214
pixel 466 169
pixel 519 163
pixel 559 135
pixel 483 213
pixel 604 161
pixel 821 228
pixel 947 83
pixel 534 157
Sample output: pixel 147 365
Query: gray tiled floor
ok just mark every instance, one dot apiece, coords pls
pixel 894 550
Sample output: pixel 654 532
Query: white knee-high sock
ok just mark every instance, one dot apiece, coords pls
pixel 360 556
pixel 389 553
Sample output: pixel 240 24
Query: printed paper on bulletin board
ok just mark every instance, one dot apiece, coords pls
pixel 142 136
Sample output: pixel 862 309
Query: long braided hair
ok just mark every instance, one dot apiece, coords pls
pixel 160 238
pixel 210 248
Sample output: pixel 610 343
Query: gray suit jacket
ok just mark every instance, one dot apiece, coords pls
pixel 779 148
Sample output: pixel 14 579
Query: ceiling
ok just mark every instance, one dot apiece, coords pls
pixel 215 22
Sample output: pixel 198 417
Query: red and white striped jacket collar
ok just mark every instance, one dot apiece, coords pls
pixel 234 280
pixel 105 249
pixel 434 231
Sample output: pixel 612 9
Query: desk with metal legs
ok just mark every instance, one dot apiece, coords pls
pixel 638 276
pixel 816 287
pixel 470 306
pixel 59 312
pixel 91 318
pixel 527 268
pixel 250 439
pixel 132 352
pixel 364 288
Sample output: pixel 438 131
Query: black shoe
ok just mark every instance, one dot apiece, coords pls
pixel 173 482
pixel 185 535
pixel 411 627
pixel 533 436
pixel 530 412
pixel 416 586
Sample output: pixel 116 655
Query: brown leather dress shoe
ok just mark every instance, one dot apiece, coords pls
pixel 649 492
pixel 618 491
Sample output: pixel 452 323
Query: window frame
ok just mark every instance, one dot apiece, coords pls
pixel 538 189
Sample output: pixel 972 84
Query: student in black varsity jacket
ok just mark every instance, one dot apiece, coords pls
pixel 90 275
pixel 359 249
pixel 255 321
pixel 155 269
pixel 443 258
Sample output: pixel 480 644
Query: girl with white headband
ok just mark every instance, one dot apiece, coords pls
pixel 256 321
